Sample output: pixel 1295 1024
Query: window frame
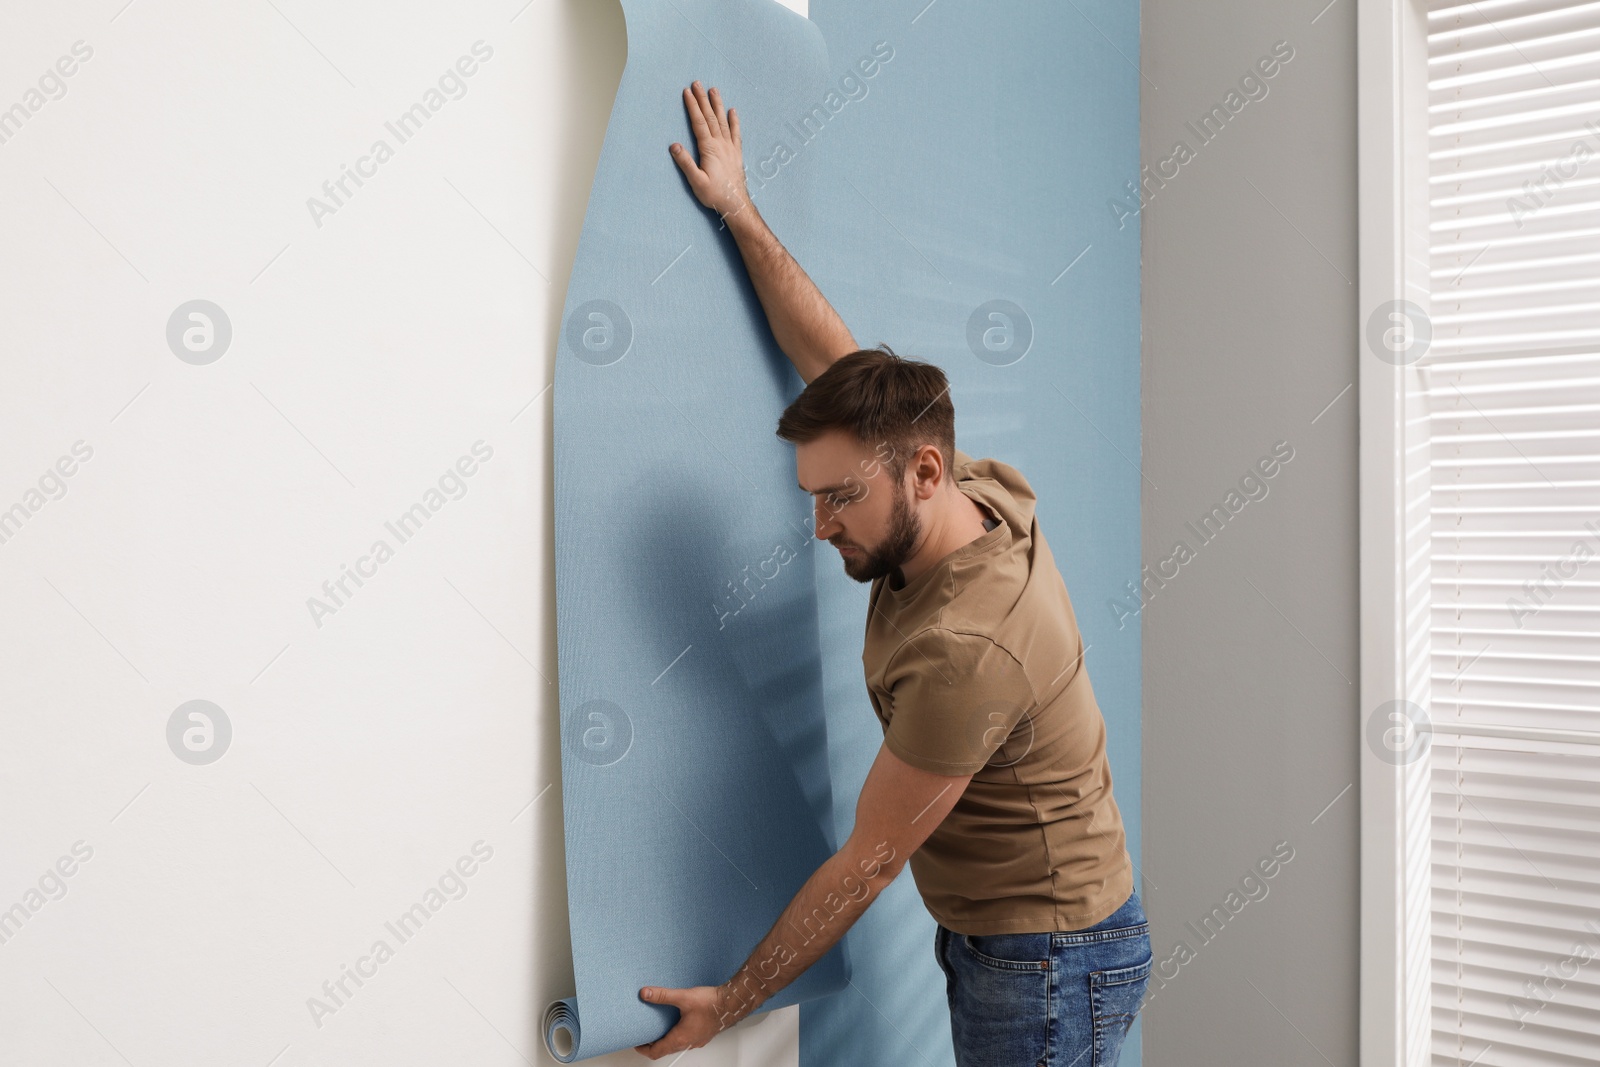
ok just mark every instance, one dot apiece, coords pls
pixel 1392 212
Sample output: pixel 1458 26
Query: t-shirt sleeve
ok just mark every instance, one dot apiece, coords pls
pixel 955 700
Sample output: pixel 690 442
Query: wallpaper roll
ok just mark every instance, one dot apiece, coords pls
pixel 694 768
pixel 960 181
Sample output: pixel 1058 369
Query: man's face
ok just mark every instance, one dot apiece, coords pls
pixel 858 506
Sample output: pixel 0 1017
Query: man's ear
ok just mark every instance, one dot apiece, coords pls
pixel 928 471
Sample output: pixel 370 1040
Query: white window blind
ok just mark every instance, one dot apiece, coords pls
pixel 1511 394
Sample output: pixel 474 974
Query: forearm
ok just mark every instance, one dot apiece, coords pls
pixel 900 806
pixel 829 903
pixel 804 324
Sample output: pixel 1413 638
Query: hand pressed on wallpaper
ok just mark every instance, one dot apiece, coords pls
pixel 806 327
pixel 718 179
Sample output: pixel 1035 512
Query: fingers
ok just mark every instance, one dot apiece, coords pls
pixel 649 1051
pixel 733 127
pixel 697 117
pixel 657 1049
pixel 680 1038
pixel 709 117
pixel 685 161
pixel 708 110
pixel 658 995
pixel 721 112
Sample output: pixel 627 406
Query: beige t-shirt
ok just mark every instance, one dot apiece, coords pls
pixel 976 666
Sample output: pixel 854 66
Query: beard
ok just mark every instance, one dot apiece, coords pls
pixel 904 529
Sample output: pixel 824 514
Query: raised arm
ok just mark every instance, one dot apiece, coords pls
pixel 804 324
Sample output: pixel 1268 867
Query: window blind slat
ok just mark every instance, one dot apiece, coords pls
pixel 1511 399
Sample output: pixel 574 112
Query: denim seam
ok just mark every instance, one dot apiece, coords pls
pixel 1124 975
pixel 998 964
pixel 1049 1012
pixel 1101 1021
pixel 1100 935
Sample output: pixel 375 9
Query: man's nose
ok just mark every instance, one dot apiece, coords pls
pixel 824 521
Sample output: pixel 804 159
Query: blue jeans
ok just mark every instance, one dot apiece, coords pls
pixel 1046 999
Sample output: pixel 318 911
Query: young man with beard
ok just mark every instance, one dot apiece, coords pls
pixel 992 780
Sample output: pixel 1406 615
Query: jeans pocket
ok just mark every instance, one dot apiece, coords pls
pixel 999 1008
pixel 1009 952
pixel 1115 996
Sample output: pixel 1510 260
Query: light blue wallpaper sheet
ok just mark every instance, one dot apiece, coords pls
pixel 959 202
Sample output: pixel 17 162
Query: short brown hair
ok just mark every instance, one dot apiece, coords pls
pixel 880 398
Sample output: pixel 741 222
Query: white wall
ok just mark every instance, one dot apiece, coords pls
pixel 374 347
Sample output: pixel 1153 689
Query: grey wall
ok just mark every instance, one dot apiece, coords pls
pixel 1250 717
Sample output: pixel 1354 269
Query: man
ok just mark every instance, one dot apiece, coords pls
pixel 992 780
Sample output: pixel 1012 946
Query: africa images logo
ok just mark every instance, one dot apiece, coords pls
pixel 1399 732
pixel 1399 332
